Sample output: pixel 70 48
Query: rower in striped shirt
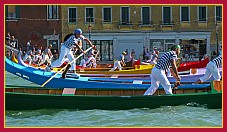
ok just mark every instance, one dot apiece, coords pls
pixel 69 43
pixel 158 75
pixel 212 70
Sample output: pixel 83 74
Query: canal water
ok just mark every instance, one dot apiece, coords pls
pixel 168 116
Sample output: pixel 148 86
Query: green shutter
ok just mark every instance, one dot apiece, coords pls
pixel 17 12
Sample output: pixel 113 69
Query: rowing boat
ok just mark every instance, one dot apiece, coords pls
pixel 40 77
pixel 138 69
pixel 27 98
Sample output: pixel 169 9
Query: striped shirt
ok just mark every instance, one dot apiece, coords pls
pixel 46 51
pixel 217 61
pixel 72 40
pixel 164 62
pixel 120 58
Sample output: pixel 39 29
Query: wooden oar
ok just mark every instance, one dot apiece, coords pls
pixel 65 67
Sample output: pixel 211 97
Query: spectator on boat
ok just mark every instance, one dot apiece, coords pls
pixel 144 53
pixel 186 54
pixel 127 56
pixel 83 63
pixel 119 61
pixel 133 54
pixel 91 62
pixel 152 52
pixel 204 57
pixel 29 56
pixel 158 75
pixel 212 70
pixel 191 54
pixel 28 44
pixel 154 58
pixel 8 38
pixel 126 51
pixel 40 49
pixel 38 58
pixel 66 47
pixel 147 54
pixel 92 53
pixel 13 42
pixel 47 55
pixel 55 55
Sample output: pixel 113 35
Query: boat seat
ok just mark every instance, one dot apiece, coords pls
pixel 69 92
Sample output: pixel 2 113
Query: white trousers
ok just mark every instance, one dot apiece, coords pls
pixel 64 52
pixel 117 64
pixel 211 70
pixel 46 59
pixel 158 76
pixel 28 58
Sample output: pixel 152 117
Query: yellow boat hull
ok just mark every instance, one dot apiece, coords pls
pixel 139 69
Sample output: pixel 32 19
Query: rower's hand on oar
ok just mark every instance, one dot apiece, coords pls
pixel 93 46
pixel 175 87
pixel 84 52
pixel 176 84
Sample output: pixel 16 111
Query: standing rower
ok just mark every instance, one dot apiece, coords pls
pixel 66 48
pixel 158 74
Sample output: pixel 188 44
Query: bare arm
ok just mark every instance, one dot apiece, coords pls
pixel 77 46
pixel 174 69
pixel 89 42
pixel 123 63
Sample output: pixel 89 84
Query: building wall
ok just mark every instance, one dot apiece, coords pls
pixel 32 24
pixel 136 36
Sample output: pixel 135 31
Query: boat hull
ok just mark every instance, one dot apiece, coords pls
pixel 20 101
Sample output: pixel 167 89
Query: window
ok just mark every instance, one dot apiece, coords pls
pixel 52 11
pixel 145 15
pixel 72 15
pixel 54 43
pixel 12 12
pixel 105 48
pixel 166 15
pixel 89 14
pixel 218 13
pixel 193 49
pixel 185 14
pixel 107 12
pixel 202 14
pixel 162 45
pixel 125 16
pixel 157 43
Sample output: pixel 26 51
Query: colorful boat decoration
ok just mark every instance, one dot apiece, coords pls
pixel 195 64
pixel 40 77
